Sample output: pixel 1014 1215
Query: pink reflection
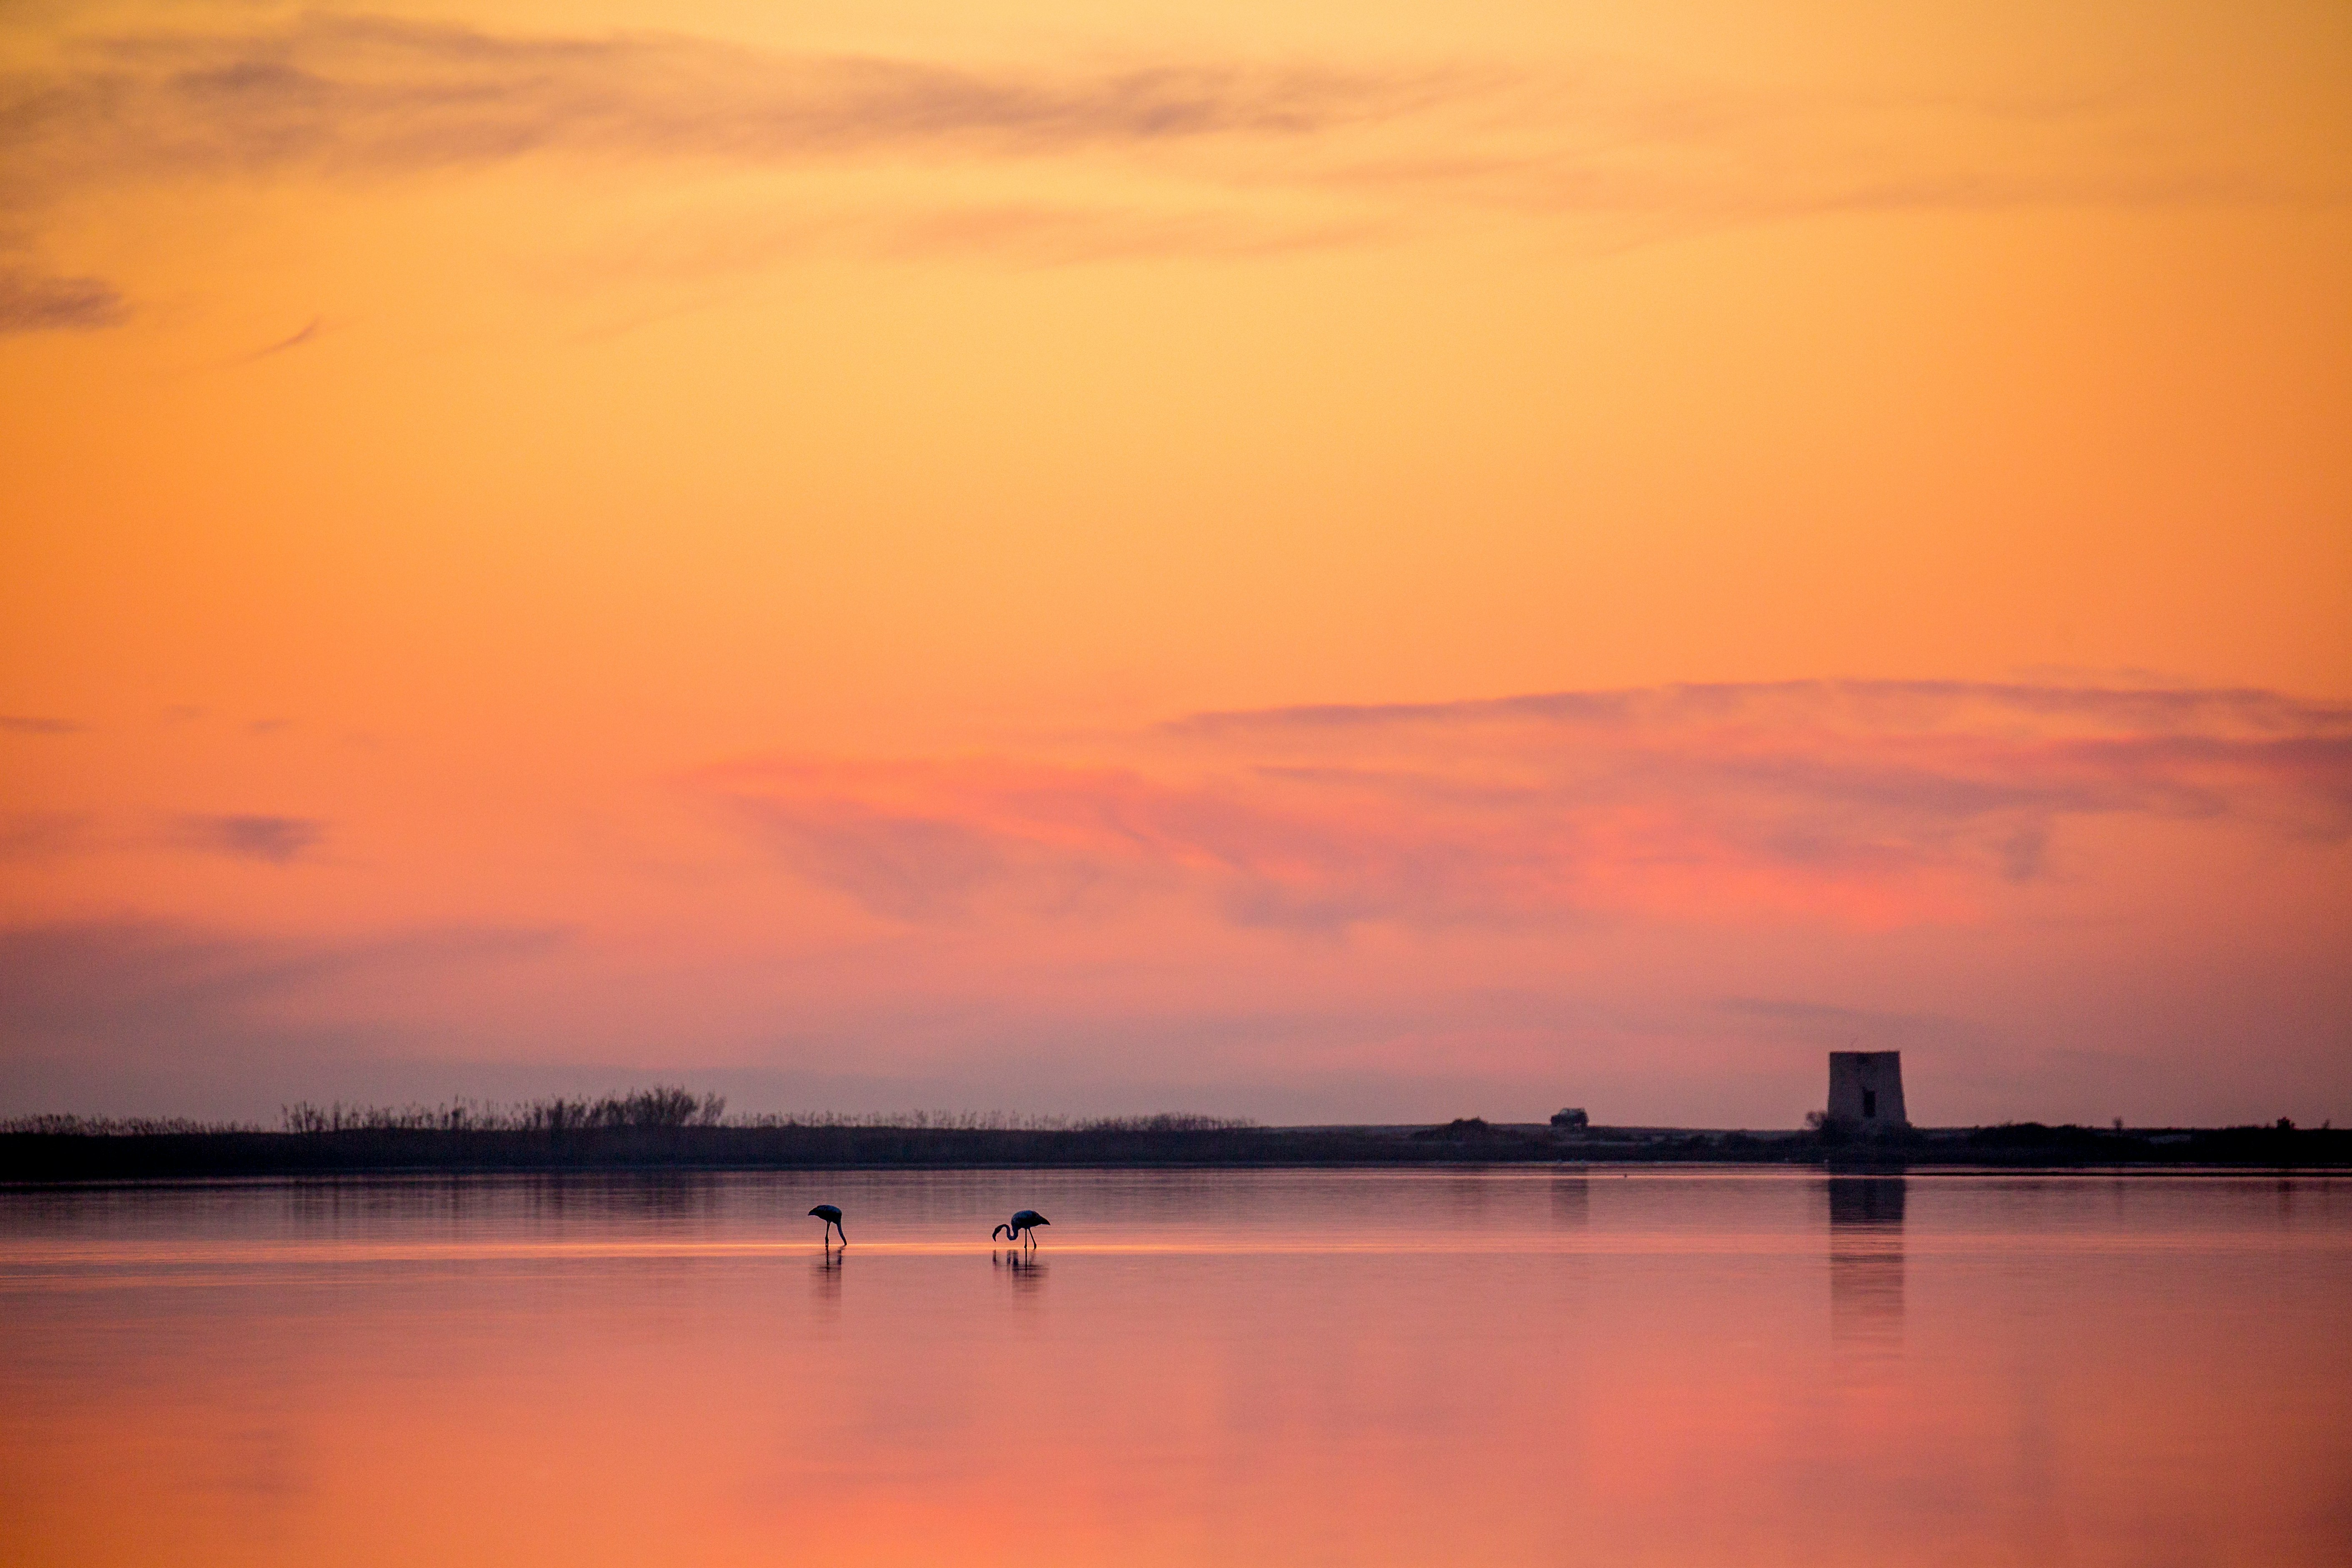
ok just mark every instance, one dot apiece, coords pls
pixel 1510 1367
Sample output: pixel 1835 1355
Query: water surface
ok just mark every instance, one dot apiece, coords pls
pixel 1230 1367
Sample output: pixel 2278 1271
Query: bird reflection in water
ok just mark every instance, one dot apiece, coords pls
pixel 1026 1269
pixel 1865 1223
pixel 824 1278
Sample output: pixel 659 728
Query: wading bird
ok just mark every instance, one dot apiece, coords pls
pixel 832 1217
pixel 1022 1227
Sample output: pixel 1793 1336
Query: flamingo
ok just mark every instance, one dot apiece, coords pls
pixel 832 1217
pixel 1022 1227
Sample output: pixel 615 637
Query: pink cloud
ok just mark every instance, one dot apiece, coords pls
pixel 2060 902
pixel 1856 804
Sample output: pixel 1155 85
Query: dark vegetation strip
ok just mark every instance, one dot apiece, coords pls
pixel 56 1149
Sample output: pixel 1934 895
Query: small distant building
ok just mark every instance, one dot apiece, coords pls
pixel 1866 1088
pixel 1571 1120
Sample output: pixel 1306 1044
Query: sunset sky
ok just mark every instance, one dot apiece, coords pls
pixel 1373 562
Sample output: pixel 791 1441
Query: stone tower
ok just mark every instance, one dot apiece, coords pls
pixel 1866 1088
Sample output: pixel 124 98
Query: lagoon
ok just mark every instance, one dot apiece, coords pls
pixel 1555 1365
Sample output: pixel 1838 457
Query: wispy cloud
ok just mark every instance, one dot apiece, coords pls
pixel 1931 704
pixel 1869 802
pixel 1216 156
pixel 360 95
pixel 39 724
pixel 33 302
pixel 279 840
pixel 293 340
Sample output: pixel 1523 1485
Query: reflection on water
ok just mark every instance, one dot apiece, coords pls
pixel 827 1269
pixel 1026 1270
pixel 1230 1367
pixel 1572 1200
pixel 1866 1261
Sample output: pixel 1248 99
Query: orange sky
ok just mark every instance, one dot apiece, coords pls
pixel 548 544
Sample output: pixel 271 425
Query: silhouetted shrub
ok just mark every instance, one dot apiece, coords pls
pixel 51 1124
pixel 1460 1127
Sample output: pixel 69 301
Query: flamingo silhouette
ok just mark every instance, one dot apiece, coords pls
pixel 832 1217
pixel 1021 1227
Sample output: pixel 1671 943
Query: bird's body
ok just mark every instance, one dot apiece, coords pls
pixel 1021 1227
pixel 832 1217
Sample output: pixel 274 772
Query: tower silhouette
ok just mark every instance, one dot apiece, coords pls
pixel 1866 1088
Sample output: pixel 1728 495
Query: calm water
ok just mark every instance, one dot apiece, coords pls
pixel 1237 1367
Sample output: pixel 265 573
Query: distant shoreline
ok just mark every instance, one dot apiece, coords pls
pixel 49 1158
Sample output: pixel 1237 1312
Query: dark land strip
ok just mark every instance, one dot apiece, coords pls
pixel 40 1158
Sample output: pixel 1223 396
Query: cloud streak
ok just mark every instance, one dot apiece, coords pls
pixel 375 94
pixel 33 302
pixel 1217 157
pixel 276 840
pixel 284 344
pixel 1868 803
